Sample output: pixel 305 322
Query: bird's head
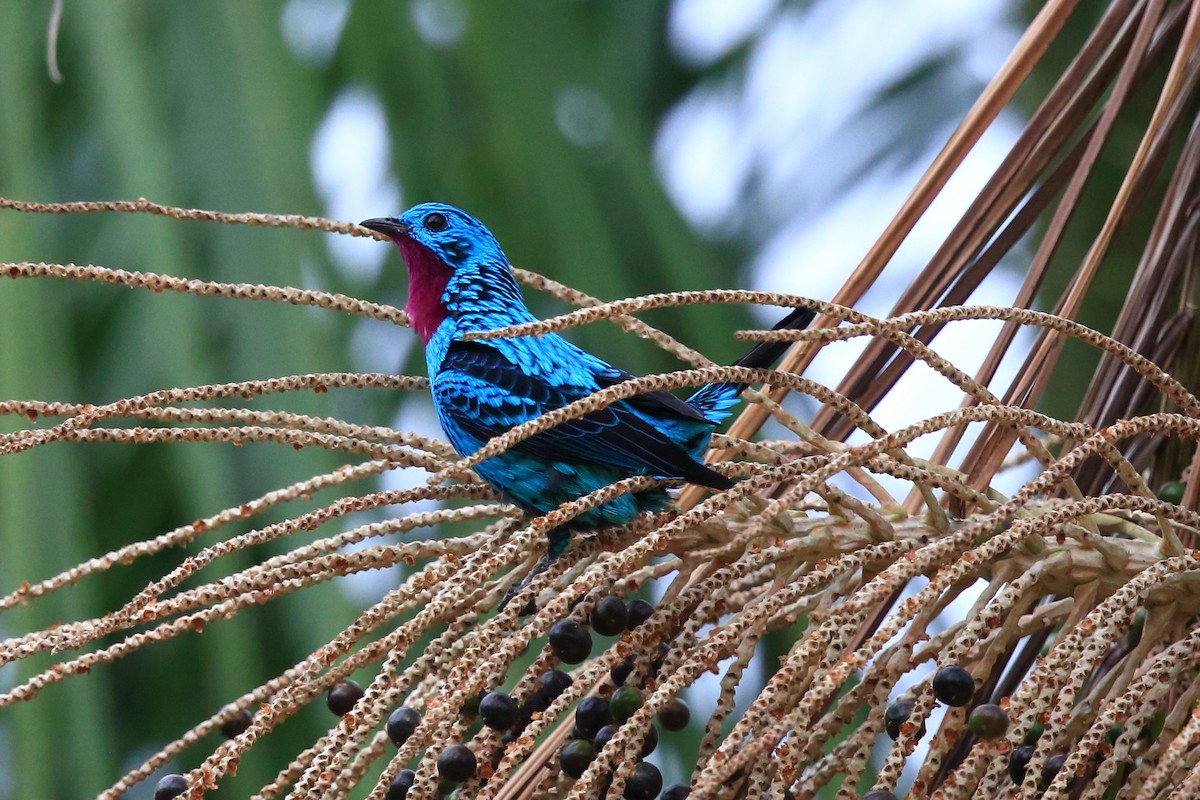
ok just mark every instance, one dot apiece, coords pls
pixel 436 241
pixel 449 234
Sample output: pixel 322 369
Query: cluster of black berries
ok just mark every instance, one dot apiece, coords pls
pixel 571 642
pixel 1018 760
pixel 597 719
pixel 401 724
pixel 954 686
pixel 501 711
pixel 455 764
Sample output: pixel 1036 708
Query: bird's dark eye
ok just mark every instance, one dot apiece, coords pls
pixel 435 222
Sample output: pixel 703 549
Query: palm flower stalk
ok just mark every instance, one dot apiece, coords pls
pixel 945 638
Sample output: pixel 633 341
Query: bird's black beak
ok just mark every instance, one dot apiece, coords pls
pixel 389 226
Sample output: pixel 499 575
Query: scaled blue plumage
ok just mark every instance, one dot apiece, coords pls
pixel 461 281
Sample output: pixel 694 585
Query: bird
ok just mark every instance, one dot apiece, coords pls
pixel 461 282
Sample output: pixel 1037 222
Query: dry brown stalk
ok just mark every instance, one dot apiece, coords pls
pixel 866 566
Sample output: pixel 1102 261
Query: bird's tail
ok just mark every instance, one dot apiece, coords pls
pixel 715 399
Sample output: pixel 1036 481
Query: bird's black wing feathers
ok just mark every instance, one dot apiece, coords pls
pixel 613 436
pixel 654 404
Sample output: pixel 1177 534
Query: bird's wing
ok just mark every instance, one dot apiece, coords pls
pixel 716 399
pixel 662 405
pixel 485 395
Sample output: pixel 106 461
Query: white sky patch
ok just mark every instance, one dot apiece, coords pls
pixel 313 28
pixel 814 254
pixel 351 163
pixel 994 40
pixel 816 67
pixel 702 31
pixel 807 74
pixel 703 157
pixel 377 346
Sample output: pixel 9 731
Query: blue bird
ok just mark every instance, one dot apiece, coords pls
pixel 460 281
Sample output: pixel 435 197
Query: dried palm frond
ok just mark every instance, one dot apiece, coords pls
pixel 1070 602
